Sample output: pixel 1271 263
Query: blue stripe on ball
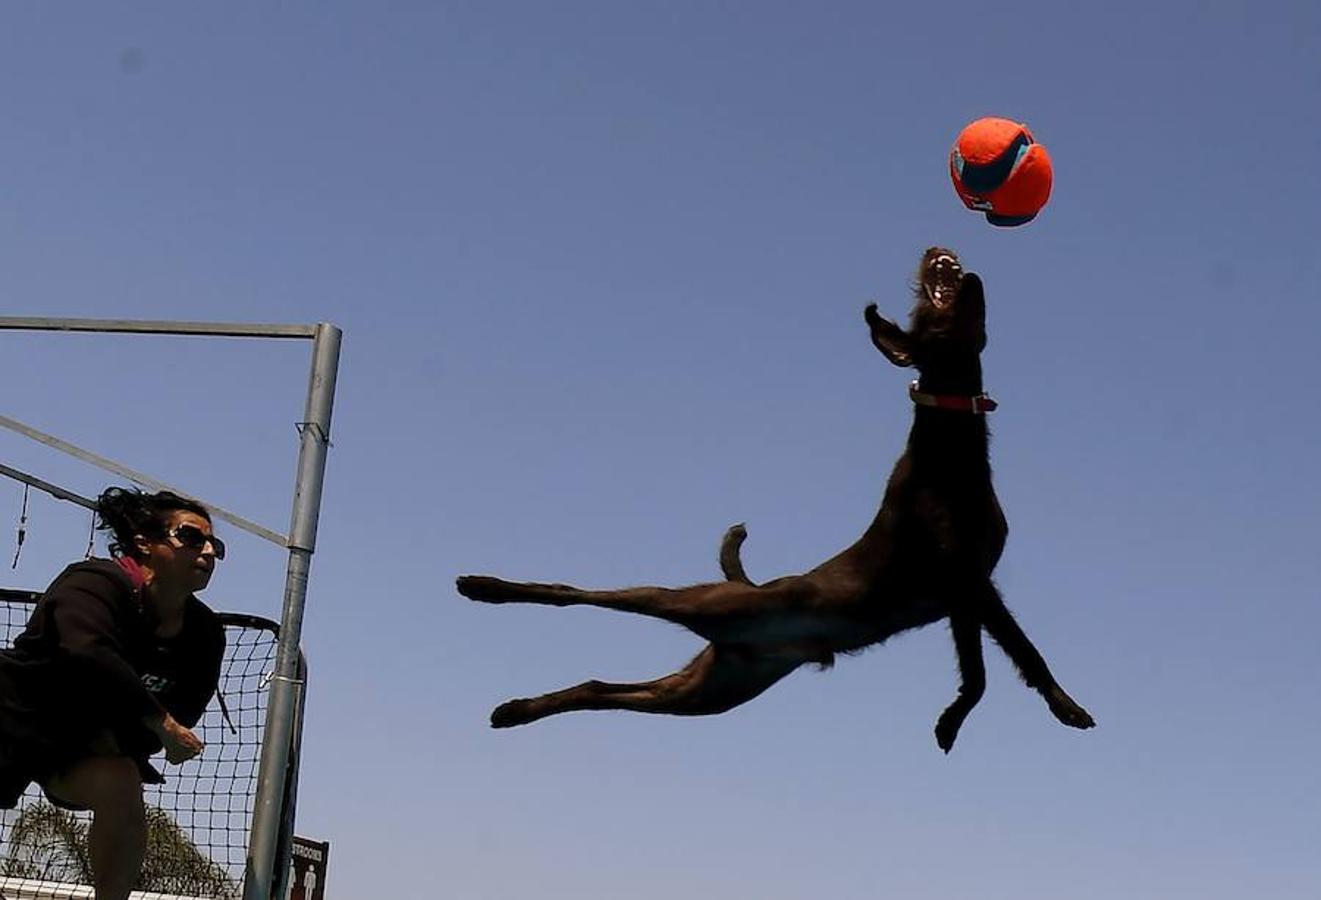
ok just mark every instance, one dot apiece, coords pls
pixel 982 179
pixel 1008 221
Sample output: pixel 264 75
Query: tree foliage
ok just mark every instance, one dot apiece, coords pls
pixel 47 843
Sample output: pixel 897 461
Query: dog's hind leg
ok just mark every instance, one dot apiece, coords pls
pixel 717 611
pixel 718 679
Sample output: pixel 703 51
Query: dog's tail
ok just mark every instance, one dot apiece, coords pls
pixel 730 562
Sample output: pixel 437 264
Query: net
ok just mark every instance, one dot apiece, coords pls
pixel 198 821
pixel 24 889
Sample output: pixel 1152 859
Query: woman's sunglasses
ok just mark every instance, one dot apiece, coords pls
pixel 194 538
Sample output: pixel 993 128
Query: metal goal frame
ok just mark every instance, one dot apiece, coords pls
pixel 282 734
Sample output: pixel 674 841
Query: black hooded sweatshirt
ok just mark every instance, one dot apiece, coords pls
pixel 89 662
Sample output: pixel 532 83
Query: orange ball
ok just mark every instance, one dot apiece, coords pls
pixel 999 169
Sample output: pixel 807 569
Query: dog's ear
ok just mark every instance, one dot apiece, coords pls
pixel 972 296
pixel 889 338
pixel 972 293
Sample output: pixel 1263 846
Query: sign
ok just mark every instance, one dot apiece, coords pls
pixel 307 880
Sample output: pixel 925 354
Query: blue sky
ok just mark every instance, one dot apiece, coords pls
pixel 600 269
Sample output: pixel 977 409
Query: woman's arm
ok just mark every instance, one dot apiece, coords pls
pixel 189 700
pixel 88 634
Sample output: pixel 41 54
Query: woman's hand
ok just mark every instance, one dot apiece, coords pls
pixel 180 743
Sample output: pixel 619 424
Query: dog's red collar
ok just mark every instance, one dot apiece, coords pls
pixel 981 403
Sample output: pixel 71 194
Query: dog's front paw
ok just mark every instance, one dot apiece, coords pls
pixel 1067 711
pixel 947 727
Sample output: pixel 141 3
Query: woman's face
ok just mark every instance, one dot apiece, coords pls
pixel 186 556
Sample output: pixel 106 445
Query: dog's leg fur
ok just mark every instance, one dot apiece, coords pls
pixel 718 679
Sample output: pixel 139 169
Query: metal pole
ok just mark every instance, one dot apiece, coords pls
pixel 145 480
pixel 286 687
pixel 54 490
pixel 152 326
pixel 280 887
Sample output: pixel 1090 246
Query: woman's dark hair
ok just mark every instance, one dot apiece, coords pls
pixel 129 513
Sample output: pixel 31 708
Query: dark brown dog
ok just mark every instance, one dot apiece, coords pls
pixel 927 556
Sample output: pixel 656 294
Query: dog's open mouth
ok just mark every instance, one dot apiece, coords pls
pixel 944 274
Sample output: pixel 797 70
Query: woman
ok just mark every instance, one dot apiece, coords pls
pixel 117 662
